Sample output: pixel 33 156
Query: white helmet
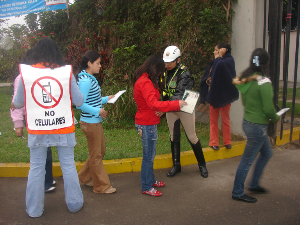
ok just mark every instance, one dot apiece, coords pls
pixel 171 53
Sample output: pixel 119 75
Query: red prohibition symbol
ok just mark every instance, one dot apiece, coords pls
pixel 38 84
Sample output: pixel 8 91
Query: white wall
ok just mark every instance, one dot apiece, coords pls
pixel 247 27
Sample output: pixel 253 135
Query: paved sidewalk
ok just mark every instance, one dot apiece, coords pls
pixel 187 198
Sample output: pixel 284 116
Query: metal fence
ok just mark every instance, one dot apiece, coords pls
pixel 274 48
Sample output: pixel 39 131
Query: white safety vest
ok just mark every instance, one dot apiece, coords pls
pixel 48 103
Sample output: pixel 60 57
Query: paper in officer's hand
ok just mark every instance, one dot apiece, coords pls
pixel 191 98
pixel 114 99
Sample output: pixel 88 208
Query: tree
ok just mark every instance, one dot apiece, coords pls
pixel 31 21
pixel 128 31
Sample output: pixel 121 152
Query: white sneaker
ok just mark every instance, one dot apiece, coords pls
pixel 54 183
pixel 51 189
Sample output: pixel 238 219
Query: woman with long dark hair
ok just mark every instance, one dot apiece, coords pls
pixel 147 94
pixel 48 89
pixel 18 116
pixel 93 172
pixel 257 98
pixel 217 89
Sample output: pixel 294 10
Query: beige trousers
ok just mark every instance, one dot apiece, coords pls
pixel 93 168
pixel 188 122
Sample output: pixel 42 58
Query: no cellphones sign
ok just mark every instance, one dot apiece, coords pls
pixel 47 92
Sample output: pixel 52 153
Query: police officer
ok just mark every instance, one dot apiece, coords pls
pixel 176 79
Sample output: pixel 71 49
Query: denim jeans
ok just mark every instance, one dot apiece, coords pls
pixel 35 192
pixel 49 175
pixel 257 141
pixel 148 135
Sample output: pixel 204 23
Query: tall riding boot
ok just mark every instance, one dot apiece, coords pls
pixel 175 148
pixel 200 158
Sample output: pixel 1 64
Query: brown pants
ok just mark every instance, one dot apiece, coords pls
pixel 93 167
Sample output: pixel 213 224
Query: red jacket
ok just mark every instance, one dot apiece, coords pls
pixel 147 97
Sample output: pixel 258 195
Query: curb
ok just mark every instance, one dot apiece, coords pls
pixel 160 161
pixel 286 136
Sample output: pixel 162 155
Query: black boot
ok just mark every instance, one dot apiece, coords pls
pixel 175 148
pixel 200 158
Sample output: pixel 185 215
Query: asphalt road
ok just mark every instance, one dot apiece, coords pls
pixel 187 198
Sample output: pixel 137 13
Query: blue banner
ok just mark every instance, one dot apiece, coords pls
pixel 19 7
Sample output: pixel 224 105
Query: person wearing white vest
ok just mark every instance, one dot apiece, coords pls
pixel 48 89
pixel 18 117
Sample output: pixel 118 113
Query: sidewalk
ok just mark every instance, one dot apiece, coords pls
pixel 187 198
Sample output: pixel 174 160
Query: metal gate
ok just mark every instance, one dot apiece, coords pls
pixel 274 47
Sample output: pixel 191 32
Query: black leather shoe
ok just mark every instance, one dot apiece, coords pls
pixel 228 146
pixel 203 171
pixel 258 189
pixel 245 198
pixel 215 147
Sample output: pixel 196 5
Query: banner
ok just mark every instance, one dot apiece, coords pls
pixel 19 7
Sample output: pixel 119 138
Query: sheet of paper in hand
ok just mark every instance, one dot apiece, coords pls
pixel 282 111
pixel 191 98
pixel 114 99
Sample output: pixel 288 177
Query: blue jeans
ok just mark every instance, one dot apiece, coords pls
pixel 148 135
pixel 257 141
pixel 35 192
pixel 49 175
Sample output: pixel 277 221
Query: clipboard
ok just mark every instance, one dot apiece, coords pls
pixel 191 98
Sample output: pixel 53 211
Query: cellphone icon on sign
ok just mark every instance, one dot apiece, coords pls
pixel 46 97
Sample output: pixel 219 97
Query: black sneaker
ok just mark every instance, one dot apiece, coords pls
pixel 258 189
pixel 245 198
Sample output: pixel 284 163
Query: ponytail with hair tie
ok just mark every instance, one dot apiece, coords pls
pixel 256 60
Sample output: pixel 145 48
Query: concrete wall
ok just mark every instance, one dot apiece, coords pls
pixel 247 26
pixel 291 71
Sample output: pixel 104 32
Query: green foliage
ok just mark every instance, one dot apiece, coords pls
pixel 9 63
pixel 137 29
pixel 11 51
pixel 195 26
pixel 31 21
pixel 289 94
pixel 129 31
pixel 124 108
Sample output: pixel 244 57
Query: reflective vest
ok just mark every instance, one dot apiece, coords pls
pixel 170 88
pixel 48 103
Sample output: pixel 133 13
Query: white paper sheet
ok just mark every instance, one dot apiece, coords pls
pixel 280 112
pixel 191 98
pixel 114 99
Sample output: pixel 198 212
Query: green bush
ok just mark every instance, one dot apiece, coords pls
pixel 130 31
